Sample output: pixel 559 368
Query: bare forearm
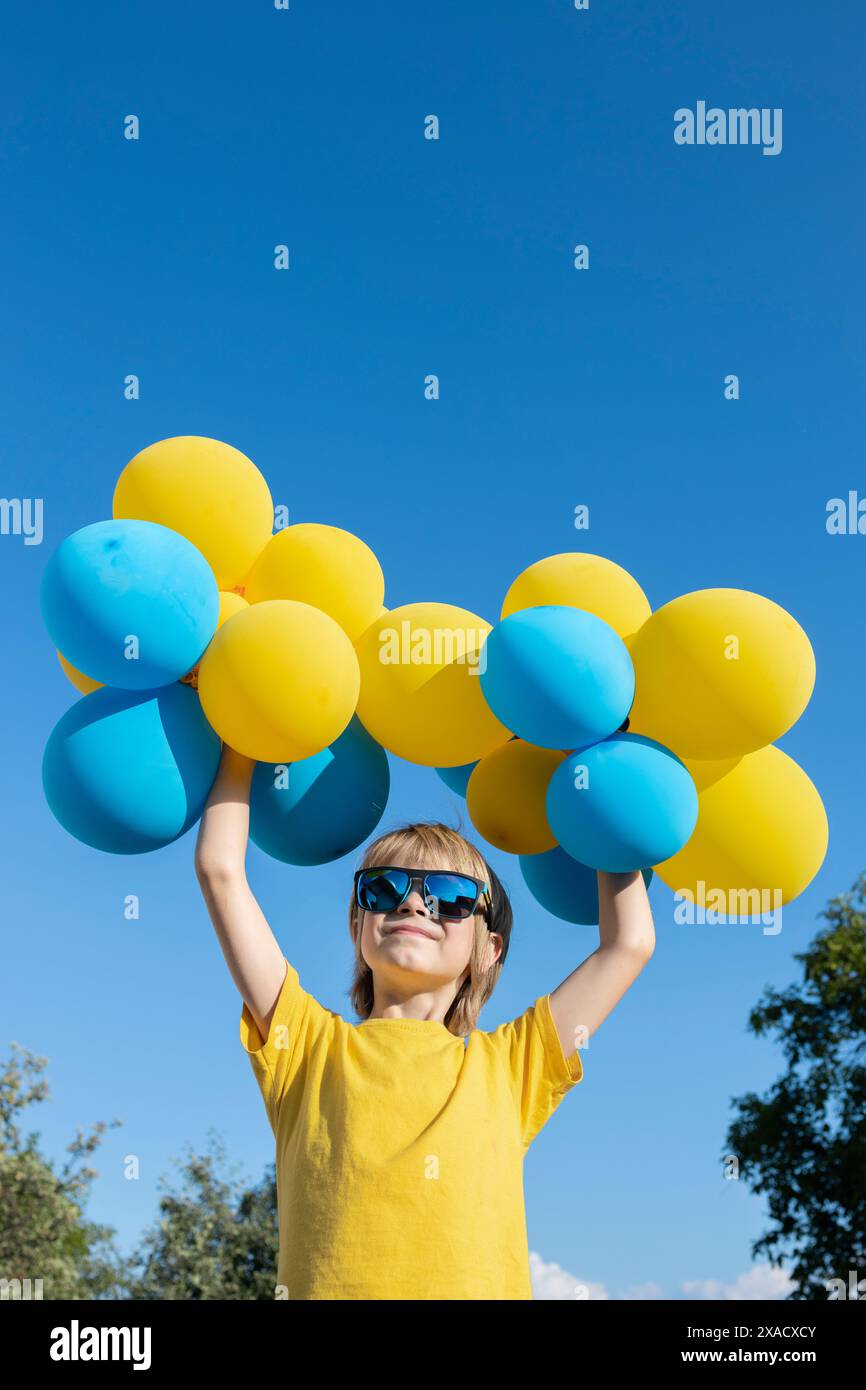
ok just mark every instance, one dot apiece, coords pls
pixel 626 941
pixel 624 915
pixel 225 824
pixel 252 953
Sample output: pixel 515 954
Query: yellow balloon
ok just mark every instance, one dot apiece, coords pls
pixel 760 839
pixel 582 581
pixel 720 673
pixel 323 566
pixel 230 603
pixel 420 691
pixel 208 491
pixel 380 614
pixel 279 681
pixel 78 678
pixel 506 797
pixel 704 774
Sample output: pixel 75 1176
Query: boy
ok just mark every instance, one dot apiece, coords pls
pixel 399 1145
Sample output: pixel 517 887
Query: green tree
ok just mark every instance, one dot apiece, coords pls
pixel 215 1238
pixel 43 1232
pixel 804 1144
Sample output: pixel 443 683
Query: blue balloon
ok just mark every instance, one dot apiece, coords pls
pixel 564 887
pixel 319 808
pixel 130 771
pixel 622 804
pixel 120 580
pixel 557 676
pixel 457 778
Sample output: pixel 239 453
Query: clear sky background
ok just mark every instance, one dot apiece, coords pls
pixel 558 387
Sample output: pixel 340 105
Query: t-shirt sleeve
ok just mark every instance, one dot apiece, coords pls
pixel 276 1060
pixel 540 1073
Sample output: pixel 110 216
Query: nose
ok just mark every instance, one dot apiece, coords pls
pixel 414 905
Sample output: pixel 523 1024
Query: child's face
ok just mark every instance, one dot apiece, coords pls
pixel 411 949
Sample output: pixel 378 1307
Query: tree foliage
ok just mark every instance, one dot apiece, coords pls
pixel 803 1145
pixel 215 1238
pixel 43 1232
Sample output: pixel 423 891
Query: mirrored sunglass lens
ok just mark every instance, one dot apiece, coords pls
pixel 455 895
pixel 382 892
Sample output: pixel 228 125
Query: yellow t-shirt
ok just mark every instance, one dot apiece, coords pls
pixel 400 1150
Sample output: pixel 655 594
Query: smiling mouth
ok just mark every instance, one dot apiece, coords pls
pixel 413 931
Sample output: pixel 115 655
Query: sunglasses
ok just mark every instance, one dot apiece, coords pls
pixel 448 896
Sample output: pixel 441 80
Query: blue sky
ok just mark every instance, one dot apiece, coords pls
pixel 558 387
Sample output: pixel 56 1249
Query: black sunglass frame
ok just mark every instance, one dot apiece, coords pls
pixel 421 876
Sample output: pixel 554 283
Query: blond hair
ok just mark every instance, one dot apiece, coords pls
pixel 437 845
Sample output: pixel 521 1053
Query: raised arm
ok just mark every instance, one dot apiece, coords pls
pixel 627 940
pixel 253 956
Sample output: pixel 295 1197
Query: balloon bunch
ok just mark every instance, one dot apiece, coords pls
pixel 185 621
pixel 695 788
pixel 586 731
